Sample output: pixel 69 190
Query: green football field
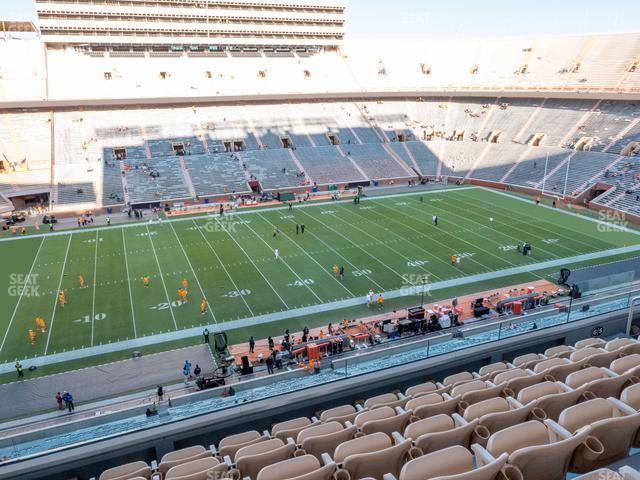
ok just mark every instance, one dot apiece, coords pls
pixel 387 244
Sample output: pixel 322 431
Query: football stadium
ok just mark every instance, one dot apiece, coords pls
pixel 238 243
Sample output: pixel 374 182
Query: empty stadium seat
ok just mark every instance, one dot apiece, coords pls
pixel 384 419
pixel 550 397
pixel 425 388
pixel 612 422
pixel 538 450
pixel 127 471
pixel 305 467
pixel 453 463
pixel 589 342
pixel 387 399
pixel 252 458
pixel 629 363
pixel 441 431
pixel 201 469
pixel 513 380
pixel 498 413
pixel 561 351
pixel 558 368
pixel 631 396
pixel 596 357
pixel 324 438
pixel 371 456
pixel 528 361
pixel 228 446
pixel 343 413
pixel 600 382
pixel 624 473
pixel 291 428
pixel 432 404
pixel 184 455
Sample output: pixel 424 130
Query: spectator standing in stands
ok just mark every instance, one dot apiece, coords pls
pixel 252 345
pixel 205 334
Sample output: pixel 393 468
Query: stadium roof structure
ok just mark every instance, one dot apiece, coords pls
pixel 17 26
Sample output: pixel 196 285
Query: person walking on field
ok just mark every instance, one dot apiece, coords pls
pixel 276 253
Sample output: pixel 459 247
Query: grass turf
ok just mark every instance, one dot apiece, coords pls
pixel 385 243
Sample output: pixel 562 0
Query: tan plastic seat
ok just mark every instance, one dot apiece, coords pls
pixel 324 438
pixel 343 413
pixel 433 404
pixel 291 428
pixel 613 423
pixel 468 387
pixel 621 344
pixel 372 456
pixel 424 389
pixel 597 381
pixel 252 458
pixel 476 391
pixel 498 413
pixel 596 357
pixel 305 467
pixel 458 378
pixel 561 351
pixel 441 431
pixel 388 399
pixel 558 368
pixel 493 369
pixel 201 469
pixel 628 363
pixel 127 472
pixel 383 419
pixel 514 380
pixel 589 342
pixel 631 396
pixel 228 446
pixel 600 474
pixel 527 361
pixel 535 448
pixel 184 455
pixel 453 463
pixel 550 397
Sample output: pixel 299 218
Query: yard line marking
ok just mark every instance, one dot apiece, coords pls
pixel 457 238
pixel 537 224
pixel 343 257
pixel 252 262
pixel 384 243
pixel 285 263
pixel 307 254
pixel 126 263
pixel 356 245
pixel 164 285
pixel 93 301
pixel 222 265
pixel 55 297
pixel 194 274
pixel 15 310
pixel 555 233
